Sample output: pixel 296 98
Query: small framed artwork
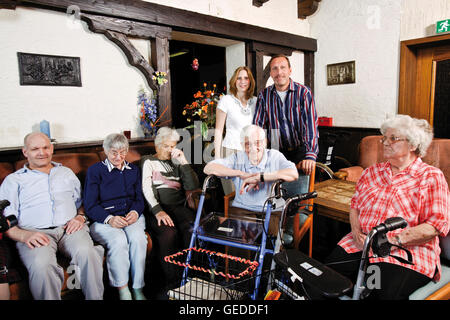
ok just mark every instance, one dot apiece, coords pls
pixel 47 70
pixel 341 73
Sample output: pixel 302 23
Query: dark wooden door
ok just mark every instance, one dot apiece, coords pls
pixel 441 98
pixel 420 64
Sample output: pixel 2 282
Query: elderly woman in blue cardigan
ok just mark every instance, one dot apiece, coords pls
pixel 113 199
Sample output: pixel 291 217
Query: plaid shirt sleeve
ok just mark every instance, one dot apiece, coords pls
pixel 435 205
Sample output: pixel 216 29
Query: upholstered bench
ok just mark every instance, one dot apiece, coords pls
pixel 371 152
pixel 78 163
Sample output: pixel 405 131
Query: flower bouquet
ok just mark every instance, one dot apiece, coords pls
pixel 159 77
pixel 148 112
pixel 203 108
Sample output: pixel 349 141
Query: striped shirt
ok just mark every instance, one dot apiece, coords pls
pixel 290 126
pixel 419 194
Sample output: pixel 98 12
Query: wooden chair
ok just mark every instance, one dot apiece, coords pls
pixel 300 229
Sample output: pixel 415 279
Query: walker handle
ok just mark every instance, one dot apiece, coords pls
pixel 4 204
pixel 391 224
pixel 304 196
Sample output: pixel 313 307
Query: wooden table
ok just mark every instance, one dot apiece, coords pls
pixel 333 199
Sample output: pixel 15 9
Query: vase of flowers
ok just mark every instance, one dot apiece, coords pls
pixel 203 109
pixel 148 112
pixel 148 106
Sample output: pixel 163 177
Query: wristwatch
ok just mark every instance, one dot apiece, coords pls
pixel 261 176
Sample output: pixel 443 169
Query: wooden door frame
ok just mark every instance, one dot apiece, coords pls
pixel 441 57
pixel 255 52
pixel 408 77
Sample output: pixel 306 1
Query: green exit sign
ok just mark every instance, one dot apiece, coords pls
pixel 443 26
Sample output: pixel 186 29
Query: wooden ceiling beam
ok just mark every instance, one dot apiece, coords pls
pixel 259 3
pixel 178 19
pixel 307 8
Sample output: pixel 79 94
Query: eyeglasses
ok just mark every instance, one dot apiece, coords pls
pixel 257 143
pixel 115 153
pixel 391 139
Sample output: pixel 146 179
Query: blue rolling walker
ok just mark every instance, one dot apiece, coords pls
pixel 233 232
pixel 197 233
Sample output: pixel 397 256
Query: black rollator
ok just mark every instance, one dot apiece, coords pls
pixel 330 283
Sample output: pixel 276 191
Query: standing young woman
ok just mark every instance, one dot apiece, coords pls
pixel 234 112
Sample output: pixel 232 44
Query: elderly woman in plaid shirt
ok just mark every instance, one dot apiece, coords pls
pixel 402 186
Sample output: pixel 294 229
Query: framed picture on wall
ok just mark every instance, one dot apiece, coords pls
pixel 48 70
pixel 341 73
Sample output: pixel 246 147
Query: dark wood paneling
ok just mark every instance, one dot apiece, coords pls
pixel 259 3
pixel 11 4
pixel 259 71
pixel 160 60
pixel 307 7
pixel 127 27
pixel 309 70
pixel 346 141
pixel 179 19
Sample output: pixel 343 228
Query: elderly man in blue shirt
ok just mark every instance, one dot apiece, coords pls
pixel 253 171
pixel 46 198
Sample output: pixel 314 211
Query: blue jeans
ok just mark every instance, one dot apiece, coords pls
pixel 126 251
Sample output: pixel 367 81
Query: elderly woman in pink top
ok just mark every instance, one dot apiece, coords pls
pixel 406 187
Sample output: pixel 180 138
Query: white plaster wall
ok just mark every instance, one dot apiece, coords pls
pixel 275 14
pixel 235 57
pixel 105 103
pixel 419 17
pixel 368 32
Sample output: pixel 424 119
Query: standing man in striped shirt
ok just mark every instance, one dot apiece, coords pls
pixel 287 111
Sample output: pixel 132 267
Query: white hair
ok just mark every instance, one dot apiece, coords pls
pixel 418 132
pixel 164 134
pixel 249 129
pixel 116 141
